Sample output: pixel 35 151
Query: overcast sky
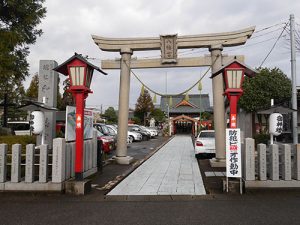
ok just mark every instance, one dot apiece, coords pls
pixel 68 27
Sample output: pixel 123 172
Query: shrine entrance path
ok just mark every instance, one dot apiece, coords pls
pixel 173 170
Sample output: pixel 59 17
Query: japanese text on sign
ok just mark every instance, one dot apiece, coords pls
pixel 168 48
pixel 233 153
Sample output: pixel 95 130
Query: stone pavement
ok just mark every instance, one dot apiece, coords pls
pixel 173 170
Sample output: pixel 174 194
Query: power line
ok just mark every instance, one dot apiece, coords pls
pixel 274 45
pixel 261 35
pixel 253 44
pixel 266 28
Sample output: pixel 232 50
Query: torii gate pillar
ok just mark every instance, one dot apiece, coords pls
pixel 219 109
pixel 121 153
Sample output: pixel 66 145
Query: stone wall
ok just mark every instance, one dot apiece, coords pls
pixel 41 169
pixel 277 165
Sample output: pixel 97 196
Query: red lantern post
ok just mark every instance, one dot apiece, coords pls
pixel 80 73
pixel 233 74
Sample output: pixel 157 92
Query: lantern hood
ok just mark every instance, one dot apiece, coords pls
pixel 63 69
pixel 248 70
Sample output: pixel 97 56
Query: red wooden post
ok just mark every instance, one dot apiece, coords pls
pixel 79 135
pixel 233 110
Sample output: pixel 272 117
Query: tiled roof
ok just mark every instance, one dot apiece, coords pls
pixel 194 99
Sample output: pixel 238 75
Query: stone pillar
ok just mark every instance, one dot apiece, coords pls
pixel 274 163
pixel 285 162
pixel 59 161
pixel 297 162
pixel 121 153
pixel 219 109
pixel 29 168
pixel 3 156
pixel 249 153
pixel 48 79
pixel 43 168
pixel 16 163
pixel 262 161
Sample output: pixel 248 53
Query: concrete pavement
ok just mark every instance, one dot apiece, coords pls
pixel 173 170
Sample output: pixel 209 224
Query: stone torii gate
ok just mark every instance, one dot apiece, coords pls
pixel 168 44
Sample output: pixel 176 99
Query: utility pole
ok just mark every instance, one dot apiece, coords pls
pixel 293 73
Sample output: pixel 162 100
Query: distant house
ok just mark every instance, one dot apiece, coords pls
pixel 184 114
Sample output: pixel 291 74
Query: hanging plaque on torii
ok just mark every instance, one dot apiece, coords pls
pixel 168 48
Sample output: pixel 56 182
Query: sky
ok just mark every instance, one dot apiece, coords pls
pixel 68 27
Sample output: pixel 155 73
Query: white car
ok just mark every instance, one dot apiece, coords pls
pixel 152 132
pixel 131 136
pixel 205 143
pixel 134 136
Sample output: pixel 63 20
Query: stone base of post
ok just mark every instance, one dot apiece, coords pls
pixel 123 159
pixel 76 187
pixel 215 162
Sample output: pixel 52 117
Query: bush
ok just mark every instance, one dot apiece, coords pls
pixel 261 139
pixel 19 139
pixel 5 131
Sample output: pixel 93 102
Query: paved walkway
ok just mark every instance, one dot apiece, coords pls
pixel 173 170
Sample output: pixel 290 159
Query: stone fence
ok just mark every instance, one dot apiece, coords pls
pixel 274 166
pixel 41 169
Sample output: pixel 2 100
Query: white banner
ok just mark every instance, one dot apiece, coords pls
pixel 71 124
pixel 233 153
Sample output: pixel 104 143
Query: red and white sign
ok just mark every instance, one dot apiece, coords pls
pixel 233 153
pixel 78 121
pixel 232 120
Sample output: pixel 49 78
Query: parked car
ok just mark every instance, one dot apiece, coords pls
pixel 136 128
pixel 102 128
pixel 105 130
pixel 107 142
pixel 131 136
pixel 134 136
pixel 205 143
pixel 152 132
pixel 19 127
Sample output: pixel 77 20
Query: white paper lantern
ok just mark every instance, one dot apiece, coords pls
pixel 275 124
pixel 37 122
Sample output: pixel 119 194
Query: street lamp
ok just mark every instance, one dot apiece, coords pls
pixel 80 73
pixel 233 74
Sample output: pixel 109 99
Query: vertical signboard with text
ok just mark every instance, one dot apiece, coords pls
pixel 233 153
pixel 48 79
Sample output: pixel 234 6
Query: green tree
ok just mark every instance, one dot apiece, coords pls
pixel 60 105
pixel 266 85
pixel 16 98
pixel 18 22
pixel 143 106
pixel 110 115
pixel 33 90
pixel 67 98
pixel 158 115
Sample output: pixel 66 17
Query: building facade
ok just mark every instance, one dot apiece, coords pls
pixel 185 113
